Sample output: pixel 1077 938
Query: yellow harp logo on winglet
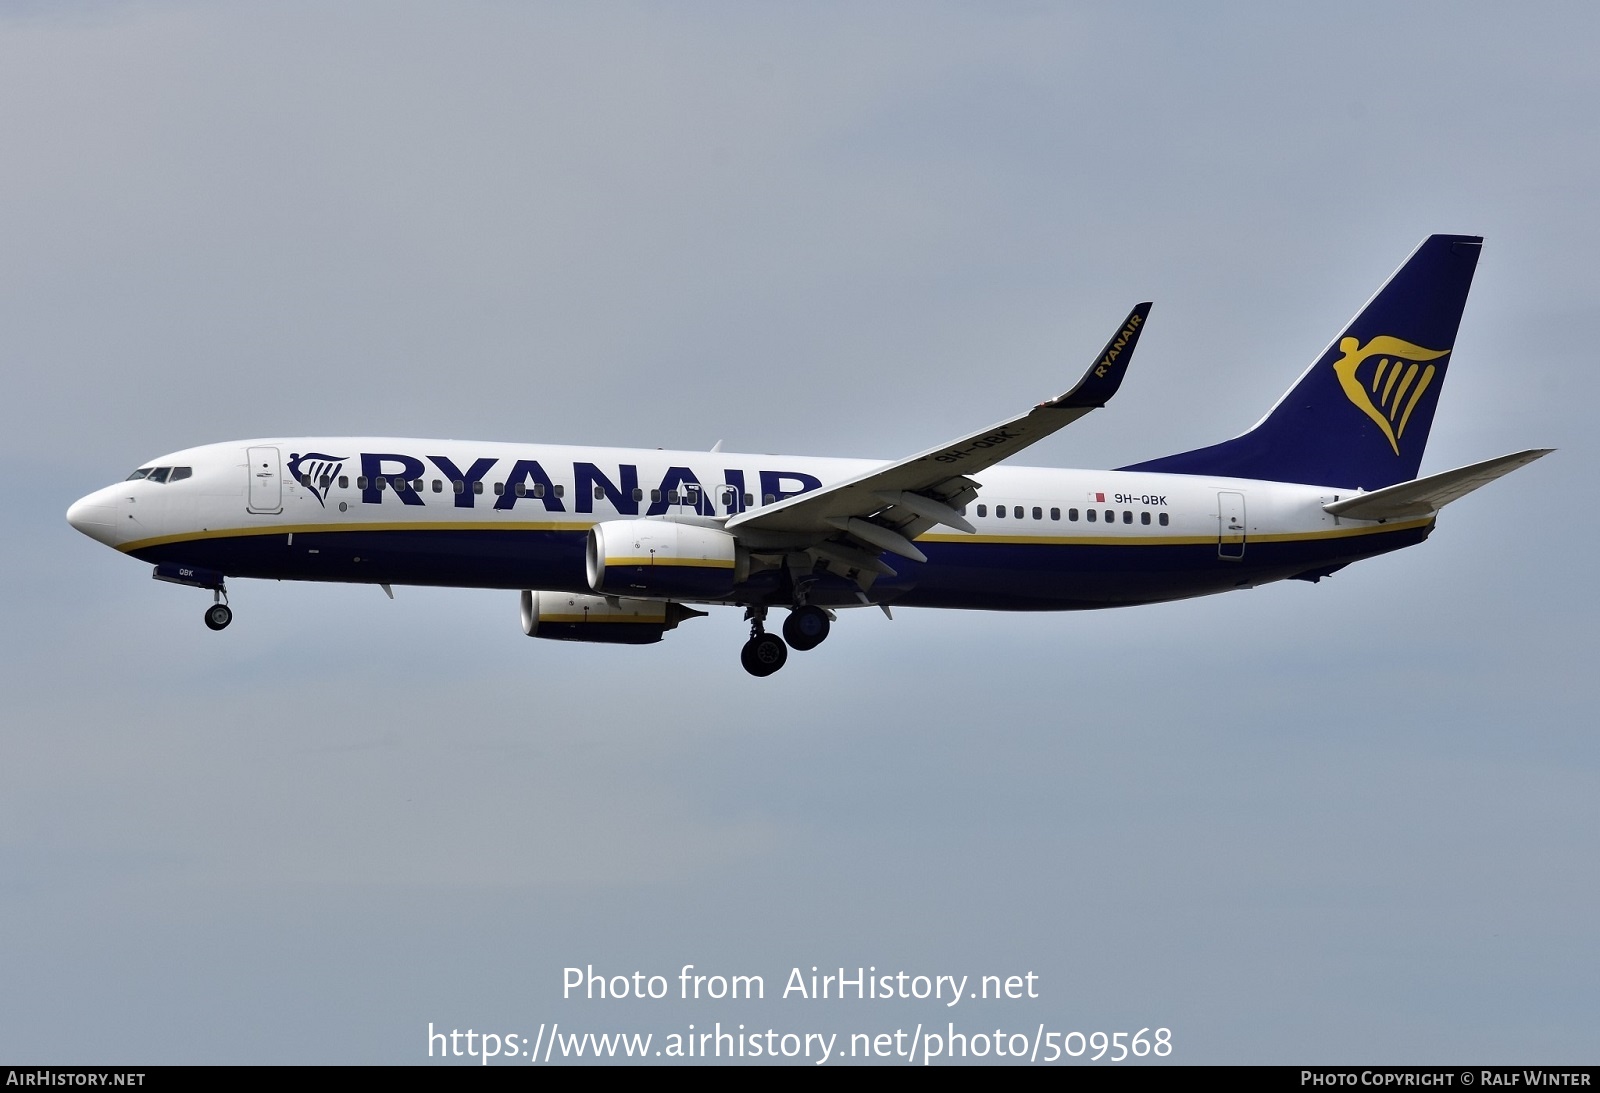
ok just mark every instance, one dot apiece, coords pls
pixel 1398 380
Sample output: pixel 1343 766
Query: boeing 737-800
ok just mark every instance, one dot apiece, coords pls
pixel 614 545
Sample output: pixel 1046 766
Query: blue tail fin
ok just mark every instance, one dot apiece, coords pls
pixel 1360 415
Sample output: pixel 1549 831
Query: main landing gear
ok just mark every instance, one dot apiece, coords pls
pixel 806 627
pixel 765 653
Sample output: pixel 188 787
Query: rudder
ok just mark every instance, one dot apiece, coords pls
pixel 1360 415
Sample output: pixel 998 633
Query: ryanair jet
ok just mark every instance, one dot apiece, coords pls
pixel 616 545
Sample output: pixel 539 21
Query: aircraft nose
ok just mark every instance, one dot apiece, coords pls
pixel 95 516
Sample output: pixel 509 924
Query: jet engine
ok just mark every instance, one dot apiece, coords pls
pixel 568 616
pixel 663 558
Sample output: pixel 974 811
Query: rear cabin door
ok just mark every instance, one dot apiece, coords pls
pixel 266 480
pixel 1230 525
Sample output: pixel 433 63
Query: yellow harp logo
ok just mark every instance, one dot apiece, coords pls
pixel 1397 384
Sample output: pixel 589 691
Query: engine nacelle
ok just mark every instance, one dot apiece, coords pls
pixel 569 616
pixel 662 558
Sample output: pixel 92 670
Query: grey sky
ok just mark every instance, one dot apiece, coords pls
pixel 1355 821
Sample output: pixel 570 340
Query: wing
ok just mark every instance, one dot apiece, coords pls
pixel 887 507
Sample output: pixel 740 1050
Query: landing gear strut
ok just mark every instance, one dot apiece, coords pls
pixel 764 653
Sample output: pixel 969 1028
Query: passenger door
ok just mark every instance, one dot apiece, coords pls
pixel 1230 525
pixel 264 467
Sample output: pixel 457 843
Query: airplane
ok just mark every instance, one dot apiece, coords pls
pixel 619 546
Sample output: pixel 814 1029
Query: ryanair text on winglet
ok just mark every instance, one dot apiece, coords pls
pixel 1120 342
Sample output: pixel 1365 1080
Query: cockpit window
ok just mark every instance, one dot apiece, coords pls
pixel 180 473
pixel 142 472
pixel 159 474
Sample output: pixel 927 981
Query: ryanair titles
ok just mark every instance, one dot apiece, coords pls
pixel 493 482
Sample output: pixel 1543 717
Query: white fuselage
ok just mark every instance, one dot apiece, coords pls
pixel 409 511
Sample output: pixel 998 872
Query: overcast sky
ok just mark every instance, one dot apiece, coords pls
pixel 1356 821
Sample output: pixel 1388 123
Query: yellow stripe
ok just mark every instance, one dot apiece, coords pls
pixel 309 529
pixel 604 618
pixel 702 563
pixel 1132 539
pixel 1175 540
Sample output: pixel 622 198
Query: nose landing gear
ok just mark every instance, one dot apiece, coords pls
pixel 218 616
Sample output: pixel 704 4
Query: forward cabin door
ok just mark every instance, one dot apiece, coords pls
pixel 1230 525
pixel 266 480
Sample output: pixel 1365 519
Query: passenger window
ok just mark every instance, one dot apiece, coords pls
pixel 749 499
pixel 1162 519
pixel 499 489
pixel 561 491
pixel 538 489
pixel 983 510
pixel 1111 517
pixel 1055 514
pixel 180 473
pixel 305 480
pixel 691 496
pixel 727 498
pixel 361 482
pixel 1127 517
pixel 599 493
pixel 477 487
pixel 344 481
pixel 324 482
pixel 638 494
pixel 438 486
pixel 769 498
pixel 522 489
pixel 458 485
pixel 672 496
pixel 1090 514
pixel 1000 511
pixel 416 484
pixel 142 472
pixel 1144 518
pixel 1038 513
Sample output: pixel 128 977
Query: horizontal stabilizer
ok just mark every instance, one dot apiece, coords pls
pixel 1426 496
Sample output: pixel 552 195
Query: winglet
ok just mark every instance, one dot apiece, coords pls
pixel 1105 375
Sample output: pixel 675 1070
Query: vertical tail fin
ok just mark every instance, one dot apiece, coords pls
pixel 1360 415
